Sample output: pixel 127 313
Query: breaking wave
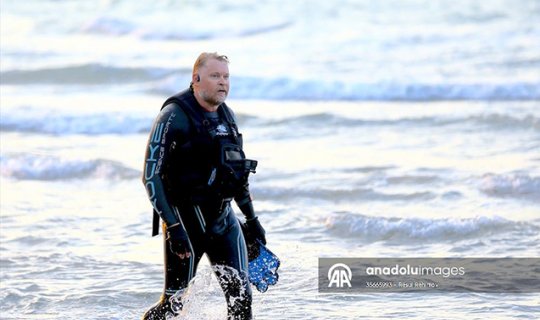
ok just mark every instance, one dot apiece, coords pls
pixel 165 81
pixel 337 195
pixel 403 230
pixel 155 29
pixel 293 89
pixel 30 120
pixel 494 121
pixel 51 168
pixel 515 185
pixel 86 74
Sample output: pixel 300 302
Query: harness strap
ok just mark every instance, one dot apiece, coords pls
pixel 226 113
pixel 155 224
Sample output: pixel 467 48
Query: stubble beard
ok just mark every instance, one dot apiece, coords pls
pixel 214 100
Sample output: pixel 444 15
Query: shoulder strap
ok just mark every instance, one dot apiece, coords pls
pixel 186 101
pixel 200 123
pixel 226 113
pixel 155 223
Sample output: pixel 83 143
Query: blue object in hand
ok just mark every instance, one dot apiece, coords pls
pixel 263 266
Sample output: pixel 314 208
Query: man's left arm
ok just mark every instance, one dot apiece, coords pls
pixel 245 203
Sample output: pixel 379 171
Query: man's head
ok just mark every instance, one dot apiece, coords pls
pixel 210 80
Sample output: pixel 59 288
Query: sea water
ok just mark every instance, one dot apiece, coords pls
pixel 382 129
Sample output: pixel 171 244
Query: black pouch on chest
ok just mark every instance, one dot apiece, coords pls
pixel 232 169
pixel 233 159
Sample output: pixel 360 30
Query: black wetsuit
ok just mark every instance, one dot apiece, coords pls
pixel 185 147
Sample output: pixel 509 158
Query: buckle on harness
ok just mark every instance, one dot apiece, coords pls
pixel 251 165
pixel 224 203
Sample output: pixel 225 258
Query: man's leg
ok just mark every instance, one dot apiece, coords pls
pixel 228 255
pixel 178 274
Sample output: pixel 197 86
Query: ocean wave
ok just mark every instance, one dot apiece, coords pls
pixel 166 81
pixel 51 168
pixel 329 119
pixel 315 90
pixel 86 74
pixel 503 121
pixel 407 230
pixel 109 26
pixel 511 185
pixel 338 195
pixel 494 121
pixel 46 121
pixel 154 28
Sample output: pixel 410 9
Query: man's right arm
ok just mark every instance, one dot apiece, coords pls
pixel 170 127
pixel 165 131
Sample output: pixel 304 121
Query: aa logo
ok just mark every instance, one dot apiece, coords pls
pixel 339 274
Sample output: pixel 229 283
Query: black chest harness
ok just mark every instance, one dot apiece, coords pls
pixel 211 164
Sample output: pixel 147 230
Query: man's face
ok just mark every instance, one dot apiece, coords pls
pixel 213 86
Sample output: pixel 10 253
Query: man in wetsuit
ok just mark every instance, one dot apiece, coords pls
pixel 194 168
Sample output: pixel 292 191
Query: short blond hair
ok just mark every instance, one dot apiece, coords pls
pixel 205 56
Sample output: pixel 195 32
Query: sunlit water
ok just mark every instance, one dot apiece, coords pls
pixel 401 129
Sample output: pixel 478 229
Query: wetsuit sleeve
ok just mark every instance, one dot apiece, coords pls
pixel 244 201
pixel 243 197
pixel 170 127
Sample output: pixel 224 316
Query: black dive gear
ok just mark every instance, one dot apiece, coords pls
pixel 216 166
pixel 256 230
pixel 165 308
pixel 195 166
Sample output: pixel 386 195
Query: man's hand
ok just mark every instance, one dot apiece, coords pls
pixel 256 230
pixel 178 241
